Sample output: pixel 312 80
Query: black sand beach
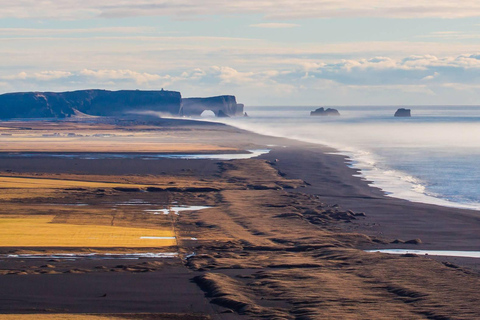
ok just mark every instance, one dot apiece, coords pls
pixel 439 228
pixel 278 242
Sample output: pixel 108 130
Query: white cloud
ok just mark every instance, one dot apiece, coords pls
pixel 51 75
pixel 431 77
pixel 51 32
pixel 451 35
pixel 230 75
pixel 41 76
pixel 275 25
pixel 395 78
pixel 273 10
pixel 19 76
pixel 109 75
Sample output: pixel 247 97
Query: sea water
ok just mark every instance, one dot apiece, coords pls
pixel 431 157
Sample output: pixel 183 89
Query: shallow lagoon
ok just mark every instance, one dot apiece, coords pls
pixel 445 253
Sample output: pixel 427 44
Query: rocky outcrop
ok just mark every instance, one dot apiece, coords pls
pixel 112 103
pixel 323 112
pixel 32 105
pixel 222 106
pixel 402 112
pixel 91 102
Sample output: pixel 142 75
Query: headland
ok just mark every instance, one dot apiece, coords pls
pixel 97 102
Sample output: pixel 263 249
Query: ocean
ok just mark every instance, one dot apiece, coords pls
pixel 432 157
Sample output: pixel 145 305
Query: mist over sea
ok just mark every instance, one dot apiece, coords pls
pixel 432 157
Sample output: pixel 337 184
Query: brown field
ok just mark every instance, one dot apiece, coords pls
pixel 39 183
pixel 27 187
pixel 104 138
pixel 23 186
pixel 136 144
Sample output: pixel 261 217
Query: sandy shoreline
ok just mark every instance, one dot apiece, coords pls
pixel 280 238
pixel 441 228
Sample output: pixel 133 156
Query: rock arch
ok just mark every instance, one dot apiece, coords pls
pixel 221 106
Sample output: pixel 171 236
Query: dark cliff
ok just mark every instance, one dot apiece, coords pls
pixel 222 106
pixel 92 102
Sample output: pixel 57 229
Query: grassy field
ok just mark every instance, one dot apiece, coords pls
pixel 39 231
pixel 26 187
pixel 40 183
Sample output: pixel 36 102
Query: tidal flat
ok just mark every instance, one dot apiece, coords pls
pixel 278 236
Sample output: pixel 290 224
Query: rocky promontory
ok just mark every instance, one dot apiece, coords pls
pixel 323 112
pixel 111 103
pixel 222 106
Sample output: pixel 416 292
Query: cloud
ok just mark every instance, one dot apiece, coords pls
pixel 41 76
pixel 387 77
pixel 272 10
pixel 20 76
pixel 275 25
pixel 431 77
pixel 51 75
pixel 451 35
pixel 109 75
pixel 51 32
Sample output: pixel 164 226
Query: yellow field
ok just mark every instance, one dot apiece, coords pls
pixel 63 144
pixel 38 231
pixel 40 183
pixel 10 194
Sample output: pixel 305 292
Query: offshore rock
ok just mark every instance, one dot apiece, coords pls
pixel 402 112
pixel 323 112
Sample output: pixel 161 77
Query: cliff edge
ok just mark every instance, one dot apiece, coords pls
pixel 91 102
pixel 112 103
pixel 222 106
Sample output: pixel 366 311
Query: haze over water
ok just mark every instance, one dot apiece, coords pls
pixel 432 157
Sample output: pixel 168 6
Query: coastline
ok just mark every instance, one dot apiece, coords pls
pixel 391 177
pixel 277 241
pixel 328 175
pixel 439 227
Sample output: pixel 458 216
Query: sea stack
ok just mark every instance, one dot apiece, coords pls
pixel 323 112
pixel 402 112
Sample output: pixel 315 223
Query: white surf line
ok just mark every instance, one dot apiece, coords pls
pixel 93 256
pixel 443 253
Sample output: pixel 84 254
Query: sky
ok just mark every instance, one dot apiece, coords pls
pixel 266 53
